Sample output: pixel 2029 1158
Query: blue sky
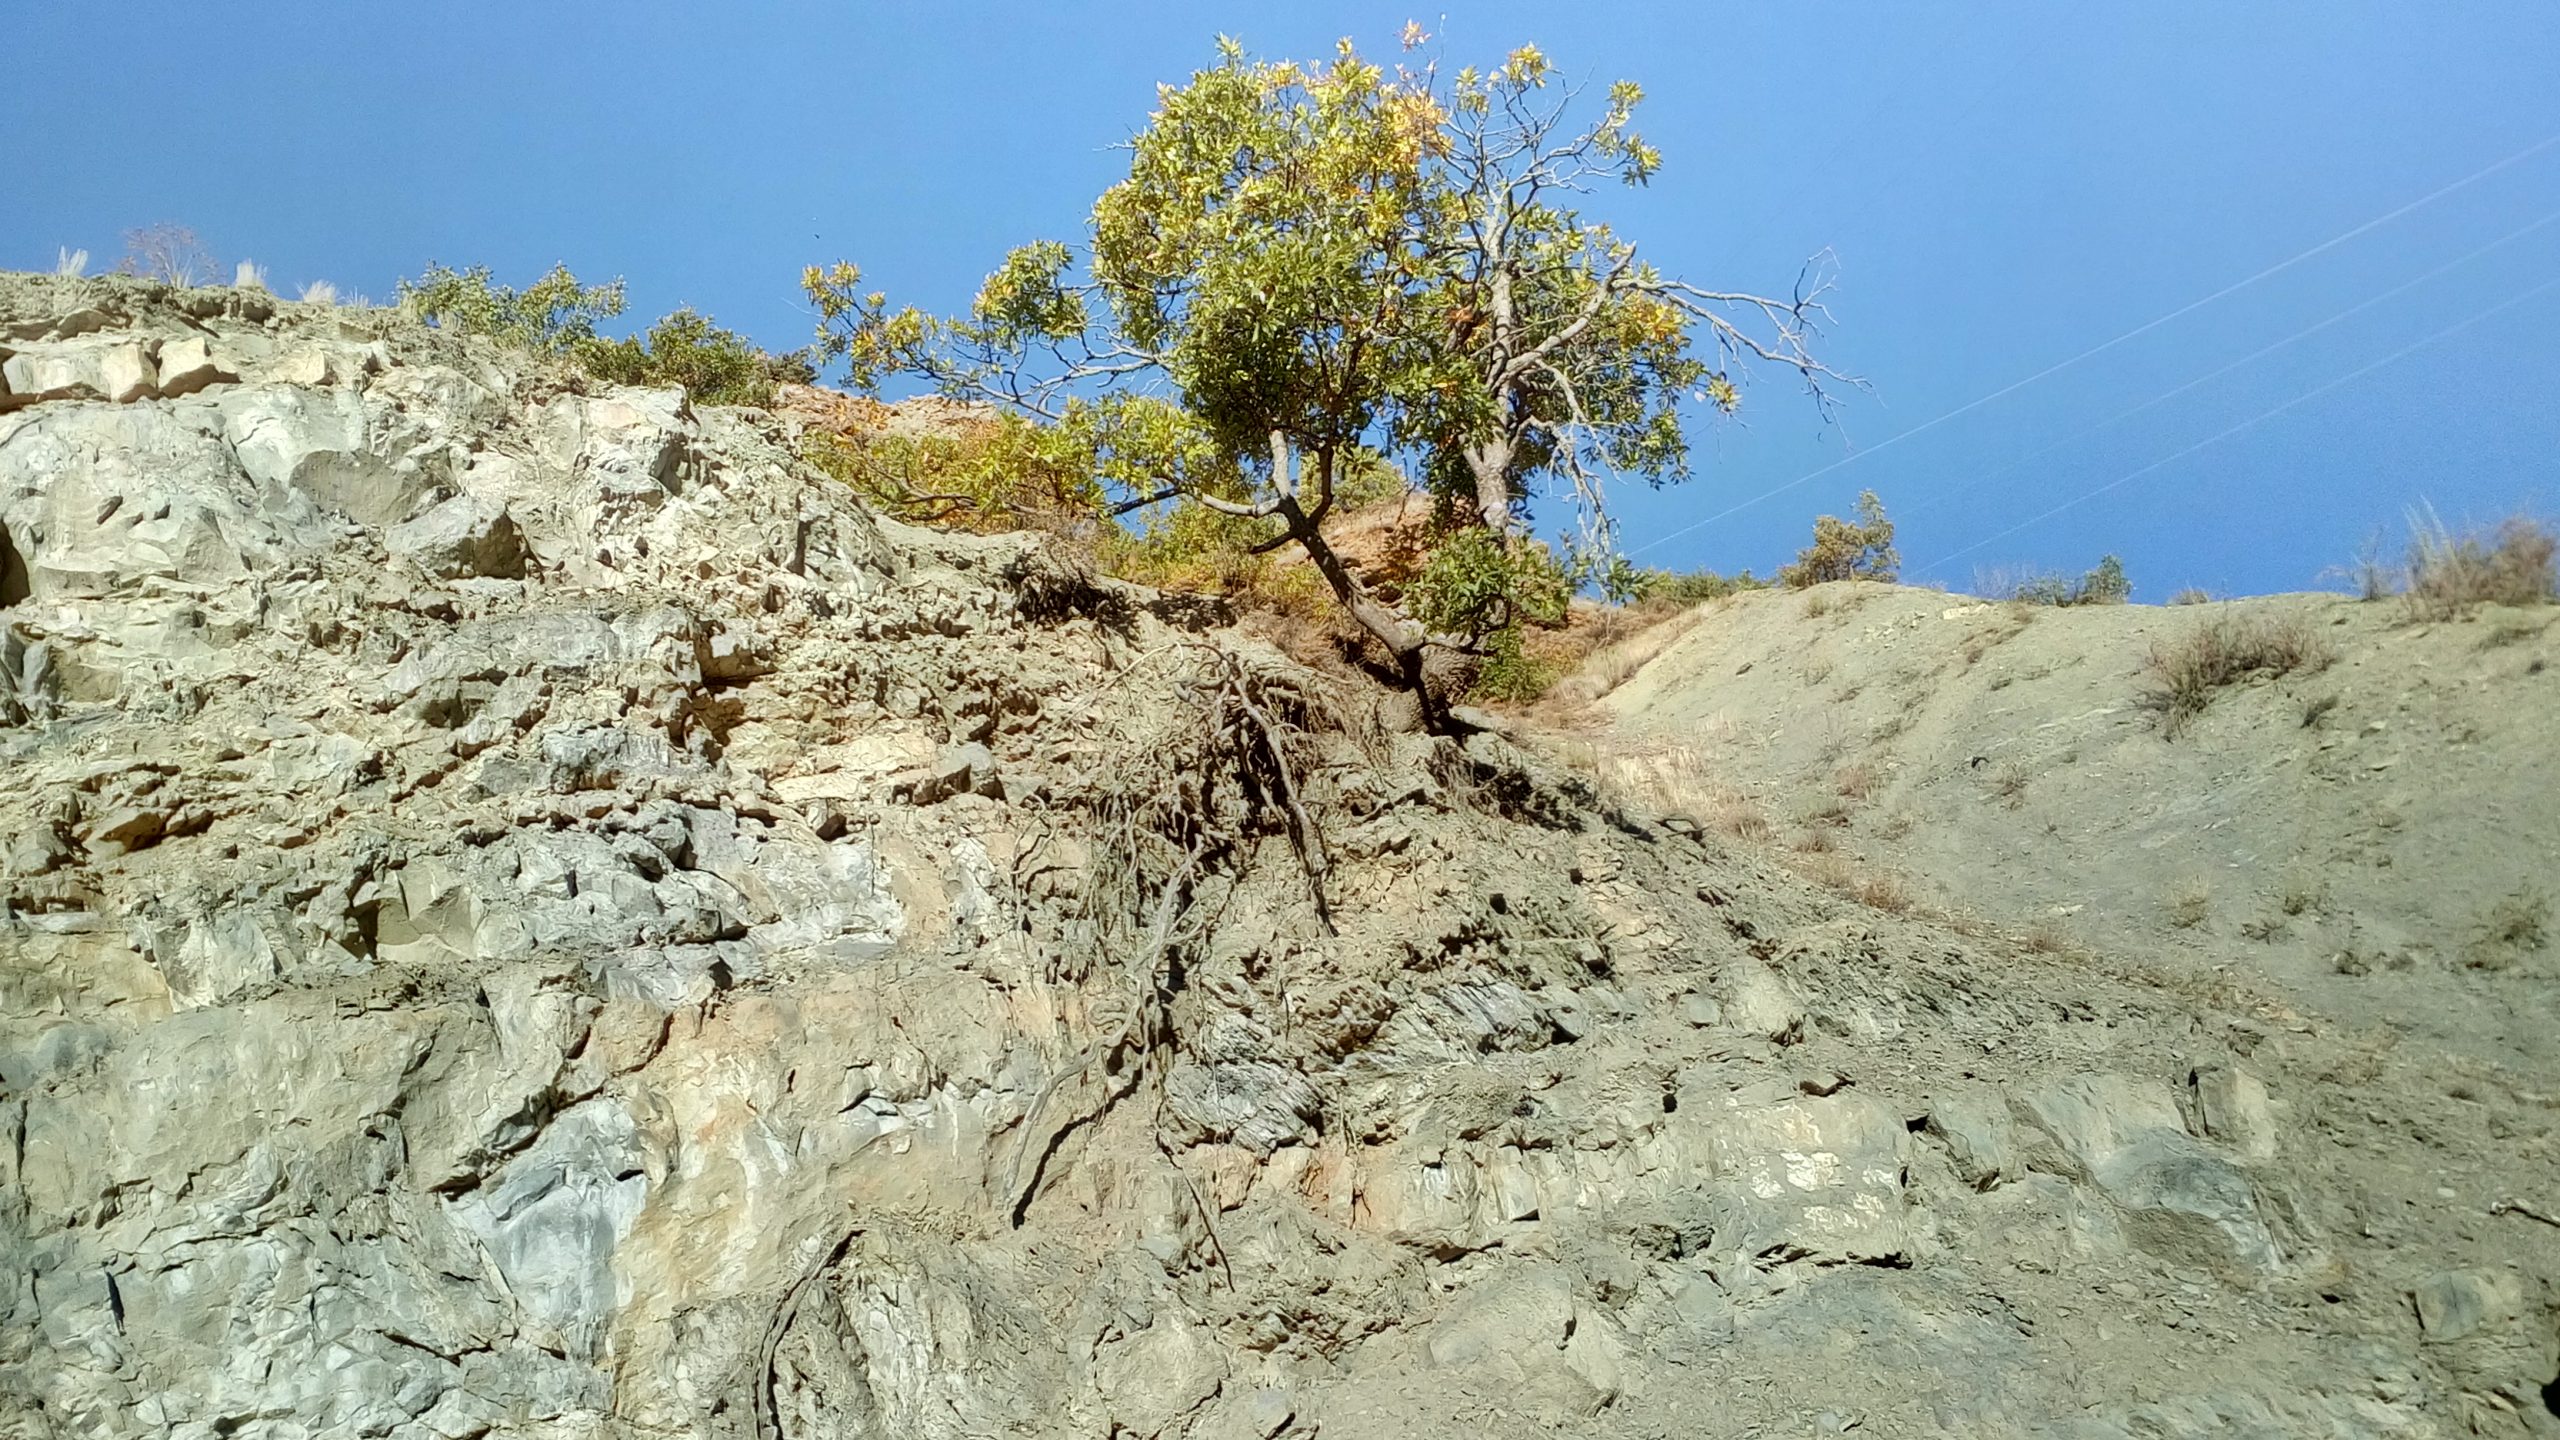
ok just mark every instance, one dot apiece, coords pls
pixel 2005 185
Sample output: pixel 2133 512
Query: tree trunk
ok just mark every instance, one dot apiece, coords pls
pixel 1405 640
pixel 1490 464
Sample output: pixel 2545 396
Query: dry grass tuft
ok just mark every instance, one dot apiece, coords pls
pixel 2047 937
pixel 2011 786
pixel 1674 780
pixel 1876 889
pixel 2450 573
pixel 1605 648
pixel 2224 651
pixel 2516 926
pixel 2189 902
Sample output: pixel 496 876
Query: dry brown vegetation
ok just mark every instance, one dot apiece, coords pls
pixel 2190 902
pixel 1673 780
pixel 1600 646
pixel 2225 650
pixel 1874 888
pixel 2510 565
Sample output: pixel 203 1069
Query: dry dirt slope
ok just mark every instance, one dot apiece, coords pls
pixel 2370 845
pixel 2377 834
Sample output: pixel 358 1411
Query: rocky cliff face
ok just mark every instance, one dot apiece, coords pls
pixel 527 912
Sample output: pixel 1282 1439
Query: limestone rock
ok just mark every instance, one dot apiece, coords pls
pixel 465 536
pixel 2452 1304
pixel 114 371
pixel 2234 1110
pixel 190 364
pixel 2180 1201
pixel 1758 1000
pixel 1979 1137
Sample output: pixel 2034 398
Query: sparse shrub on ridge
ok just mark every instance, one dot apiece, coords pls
pixel 550 316
pixel 168 253
pixel 2450 573
pixel 2224 651
pixel 2444 573
pixel 2104 584
pixel 1691 587
pixel 556 315
pixel 715 366
pixel 1847 550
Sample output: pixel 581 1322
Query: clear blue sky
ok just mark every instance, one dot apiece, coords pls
pixel 2005 184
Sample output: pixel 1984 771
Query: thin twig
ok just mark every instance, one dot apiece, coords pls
pixel 2518 1207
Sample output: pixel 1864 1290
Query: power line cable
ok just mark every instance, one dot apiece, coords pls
pixel 2145 328
pixel 2220 435
pixel 2207 378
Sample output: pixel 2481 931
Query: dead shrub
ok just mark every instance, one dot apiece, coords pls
pixel 2226 650
pixel 1605 646
pixel 1675 780
pixel 2011 786
pixel 2047 937
pixel 1876 889
pixel 2510 565
pixel 2516 926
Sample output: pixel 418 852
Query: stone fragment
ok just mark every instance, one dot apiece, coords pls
pixel 730 654
pixel 463 537
pixel 2454 1303
pixel 1979 1137
pixel 189 365
pixel 118 371
pixel 968 768
pixel 2179 1200
pixel 2234 1111
pixel 1760 1001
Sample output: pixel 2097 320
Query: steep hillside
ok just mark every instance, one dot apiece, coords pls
pixel 527 912
pixel 2376 830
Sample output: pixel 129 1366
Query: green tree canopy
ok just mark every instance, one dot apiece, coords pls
pixel 1315 267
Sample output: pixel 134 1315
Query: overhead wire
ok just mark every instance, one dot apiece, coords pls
pixel 2224 434
pixel 1923 504
pixel 2102 347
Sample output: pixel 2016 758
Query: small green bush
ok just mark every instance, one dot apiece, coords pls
pixel 1690 587
pixel 715 366
pixel 549 316
pixel 1846 550
pixel 556 315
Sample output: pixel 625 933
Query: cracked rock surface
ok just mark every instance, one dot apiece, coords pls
pixel 527 912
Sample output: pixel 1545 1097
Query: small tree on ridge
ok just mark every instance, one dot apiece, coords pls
pixel 1315 267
